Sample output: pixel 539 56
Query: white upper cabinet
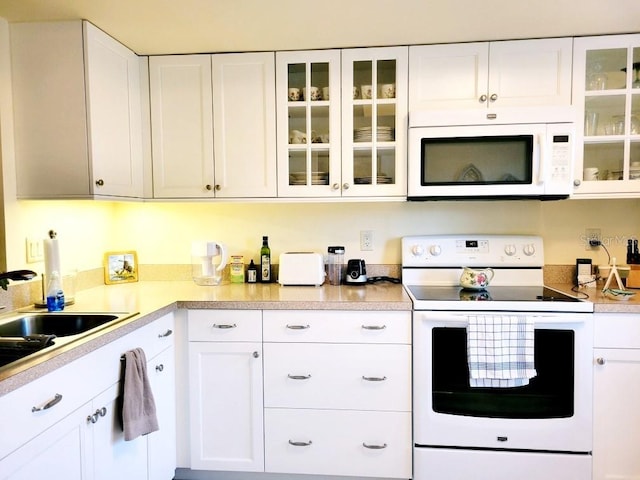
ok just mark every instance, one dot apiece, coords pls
pixel 244 125
pixel 308 130
pixel 181 126
pixel 342 119
pixel 606 94
pixel 490 74
pixel 77 112
pixel 213 125
pixel 374 122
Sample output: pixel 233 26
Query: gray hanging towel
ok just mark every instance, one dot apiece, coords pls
pixel 138 406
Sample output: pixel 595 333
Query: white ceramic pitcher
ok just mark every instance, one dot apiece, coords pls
pixel 476 279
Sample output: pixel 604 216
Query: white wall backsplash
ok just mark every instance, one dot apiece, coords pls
pixel 161 233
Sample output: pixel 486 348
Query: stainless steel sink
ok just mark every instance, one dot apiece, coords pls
pixel 58 324
pixel 29 334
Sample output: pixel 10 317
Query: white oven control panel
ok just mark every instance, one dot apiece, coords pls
pixel 472 251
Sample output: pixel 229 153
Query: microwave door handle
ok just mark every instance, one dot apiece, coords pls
pixel 540 158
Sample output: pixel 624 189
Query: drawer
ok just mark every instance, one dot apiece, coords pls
pixel 616 330
pixel 337 326
pixel 225 325
pixel 338 376
pixel 60 388
pixel 329 442
pixel 153 338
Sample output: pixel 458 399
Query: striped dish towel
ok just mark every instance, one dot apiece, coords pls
pixel 500 350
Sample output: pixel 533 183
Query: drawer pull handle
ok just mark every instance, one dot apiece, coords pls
pixel 300 444
pixel 299 377
pixel 224 325
pixel 298 327
pixel 374 447
pixel 168 333
pixel 374 327
pixel 54 401
pixel 374 379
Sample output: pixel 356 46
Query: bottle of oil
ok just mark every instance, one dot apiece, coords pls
pixel 265 261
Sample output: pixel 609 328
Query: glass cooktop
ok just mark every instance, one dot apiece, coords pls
pixel 492 294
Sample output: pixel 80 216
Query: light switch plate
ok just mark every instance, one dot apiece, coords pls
pixel 35 250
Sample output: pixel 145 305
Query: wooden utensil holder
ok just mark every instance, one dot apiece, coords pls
pixel 633 280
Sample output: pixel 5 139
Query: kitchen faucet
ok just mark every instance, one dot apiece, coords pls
pixel 15 275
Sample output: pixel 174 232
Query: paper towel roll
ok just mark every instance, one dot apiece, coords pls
pixel 51 256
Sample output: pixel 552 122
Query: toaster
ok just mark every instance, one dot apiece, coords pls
pixel 301 268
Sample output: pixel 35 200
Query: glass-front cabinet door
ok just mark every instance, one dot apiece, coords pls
pixel 308 123
pixel 607 96
pixel 374 122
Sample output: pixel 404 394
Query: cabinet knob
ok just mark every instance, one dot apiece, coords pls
pixel 256 354
pixel 600 361
pixel 483 98
pixel 335 186
pixel 159 368
pixel 208 187
pixel 218 187
pixel 100 182
pixel 577 182
pixel 345 186
pixel 493 97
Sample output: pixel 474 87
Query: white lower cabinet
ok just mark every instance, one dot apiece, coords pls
pixel 55 439
pixel 42 456
pixel 616 428
pixel 225 390
pixel 337 393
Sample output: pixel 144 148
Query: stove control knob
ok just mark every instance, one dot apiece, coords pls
pixel 529 249
pixel 435 250
pixel 510 249
pixel 417 250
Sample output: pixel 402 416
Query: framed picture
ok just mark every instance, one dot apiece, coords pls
pixel 120 267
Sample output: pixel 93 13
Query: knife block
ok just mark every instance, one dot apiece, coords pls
pixel 633 280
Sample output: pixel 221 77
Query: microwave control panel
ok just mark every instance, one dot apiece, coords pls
pixel 561 152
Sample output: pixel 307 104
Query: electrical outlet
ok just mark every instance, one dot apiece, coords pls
pixel 366 240
pixel 592 234
pixel 35 250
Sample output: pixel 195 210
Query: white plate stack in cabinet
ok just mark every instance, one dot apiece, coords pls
pixel 337 393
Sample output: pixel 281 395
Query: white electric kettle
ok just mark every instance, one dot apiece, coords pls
pixel 203 262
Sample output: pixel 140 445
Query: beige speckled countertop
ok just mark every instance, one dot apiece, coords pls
pixel 153 299
pixel 602 304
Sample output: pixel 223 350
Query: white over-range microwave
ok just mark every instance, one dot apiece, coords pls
pixel 500 154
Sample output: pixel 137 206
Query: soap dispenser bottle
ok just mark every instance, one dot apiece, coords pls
pixel 55 295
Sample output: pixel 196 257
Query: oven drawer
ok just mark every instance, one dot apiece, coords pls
pixel 342 376
pixel 334 326
pixel 454 464
pixel 333 443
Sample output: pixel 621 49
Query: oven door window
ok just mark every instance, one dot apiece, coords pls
pixel 491 160
pixel 548 395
